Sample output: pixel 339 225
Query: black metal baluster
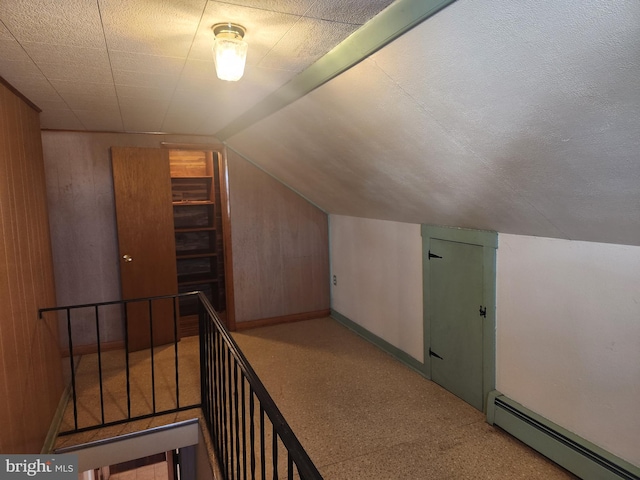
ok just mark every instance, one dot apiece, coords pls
pixel 274 447
pixel 126 358
pixel 218 391
pixel 229 380
pixel 73 372
pixel 175 348
pixel 214 379
pixel 225 430
pixel 206 355
pixel 263 468
pixel 289 466
pixel 236 414
pixel 153 376
pixel 99 364
pixel 252 433
pixel 244 427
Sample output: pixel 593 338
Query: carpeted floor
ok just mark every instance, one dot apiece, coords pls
pixel 360 414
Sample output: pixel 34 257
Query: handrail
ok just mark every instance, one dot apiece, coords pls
pixel 235 403
pixel 81 384
pixel 113 302
pixel 295 450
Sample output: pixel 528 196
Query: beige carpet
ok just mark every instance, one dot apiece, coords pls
pixel 360 414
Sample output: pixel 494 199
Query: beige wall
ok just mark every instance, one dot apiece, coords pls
pixel 378 269
pixel 567 333
pixel 30 367
pixel 279 240
pixel 83 223
pixel 568 336
pixel 280 246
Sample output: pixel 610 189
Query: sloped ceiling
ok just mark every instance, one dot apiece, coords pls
pixel 520 117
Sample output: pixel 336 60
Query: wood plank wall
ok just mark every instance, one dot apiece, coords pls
pixel 280 249
pixel 30 364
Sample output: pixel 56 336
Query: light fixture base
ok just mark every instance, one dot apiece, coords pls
pixel 229 30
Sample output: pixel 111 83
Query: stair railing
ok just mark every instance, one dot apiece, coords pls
pixel 251 438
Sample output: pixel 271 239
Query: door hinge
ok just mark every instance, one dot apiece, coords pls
pixel 433 255
pixel 434 354
pixel 483 311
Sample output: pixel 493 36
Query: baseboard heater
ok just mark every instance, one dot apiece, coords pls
pixel 568 450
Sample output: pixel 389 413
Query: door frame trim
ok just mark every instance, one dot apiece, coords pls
pixel 488 240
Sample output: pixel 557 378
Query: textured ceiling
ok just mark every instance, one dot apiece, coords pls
pixel 146 65
pixel 520 117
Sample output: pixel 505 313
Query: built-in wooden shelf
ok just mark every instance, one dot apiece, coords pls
pixel 197 229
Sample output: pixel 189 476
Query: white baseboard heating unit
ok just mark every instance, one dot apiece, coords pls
pixel 568 450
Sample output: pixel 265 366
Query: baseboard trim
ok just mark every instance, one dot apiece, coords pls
pixel 54 428
pixel 382 344
pixel 93 348
pixel 296 317
pixel 565 448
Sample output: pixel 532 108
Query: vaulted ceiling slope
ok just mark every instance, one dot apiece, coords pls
pixel 520 117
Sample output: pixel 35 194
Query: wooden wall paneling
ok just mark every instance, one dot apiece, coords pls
pixel 8 350
pixel 30 372
pixel 280 244
pixel 15 366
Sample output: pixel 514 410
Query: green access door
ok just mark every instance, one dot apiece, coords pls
pixel 459 317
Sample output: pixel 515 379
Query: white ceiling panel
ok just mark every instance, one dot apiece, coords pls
pixel 159 49
pixel 76 74
pixel 71 22
pixel 149 64
pixel 142 116
pixel 150 95
pixel 151 28
pixel 23 73
pixel 347 11
pixel 108 120
pixel 294 7
pixel 145 79
pixel 305 42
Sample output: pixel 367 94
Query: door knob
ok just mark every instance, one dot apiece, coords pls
pixel 127 258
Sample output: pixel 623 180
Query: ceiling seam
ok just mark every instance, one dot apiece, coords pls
pixel 186 59
pixel 113 79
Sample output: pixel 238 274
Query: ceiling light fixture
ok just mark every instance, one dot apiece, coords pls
pixel 229 51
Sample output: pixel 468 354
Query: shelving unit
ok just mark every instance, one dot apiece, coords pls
pixel 198 229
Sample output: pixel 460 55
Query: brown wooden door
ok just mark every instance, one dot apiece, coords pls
pixel 142 188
